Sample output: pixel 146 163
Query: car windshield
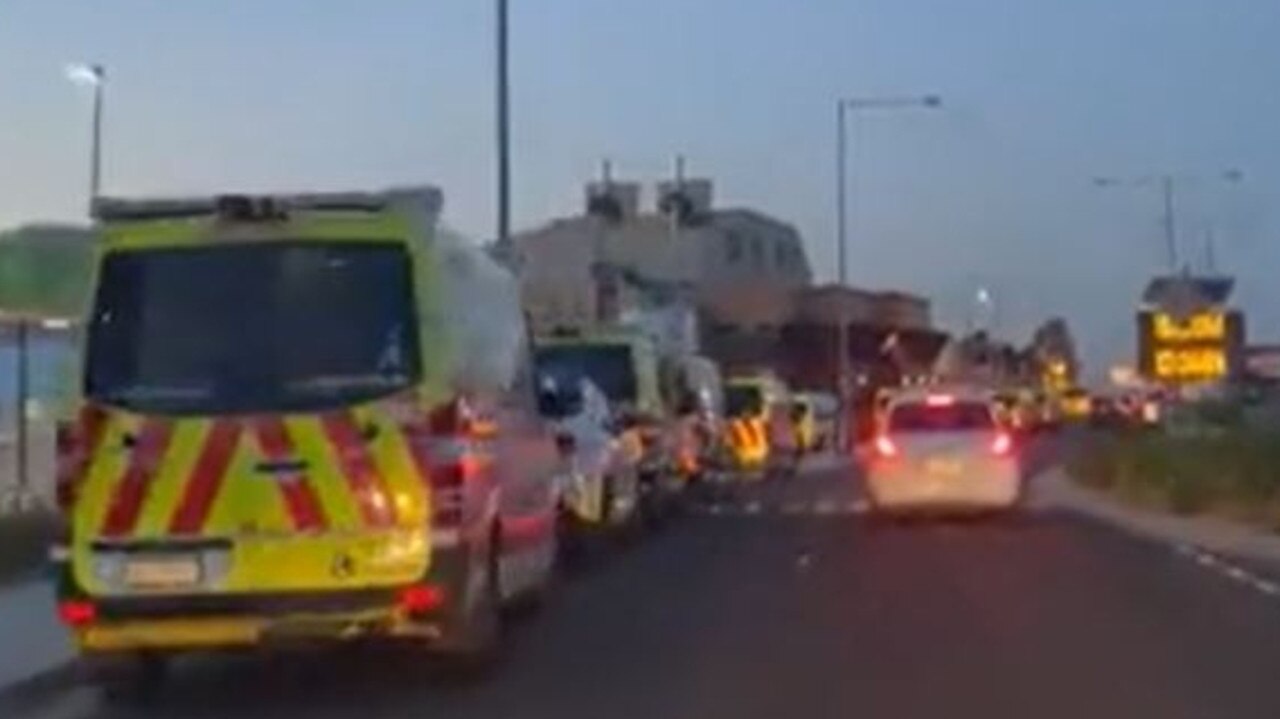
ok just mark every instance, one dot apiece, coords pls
pixel 251 328
pixel 608 366
pixel 742 400
pixel 924 417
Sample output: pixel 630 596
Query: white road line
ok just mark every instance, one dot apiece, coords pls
pixel 1237 574
pixel 715 509
pixel 753 507
pixel 1229 571
pixel 794 508
pixel 1269 588
pixel 824 506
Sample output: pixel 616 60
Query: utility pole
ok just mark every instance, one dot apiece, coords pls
pixel 674 212
pixel 1170 230
pixel 844 106
pixel 94 76
pixel 24 391
pixel 503 130
pixel 1210 252
pixel 845 425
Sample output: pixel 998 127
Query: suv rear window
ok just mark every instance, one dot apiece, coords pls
pixel 924 417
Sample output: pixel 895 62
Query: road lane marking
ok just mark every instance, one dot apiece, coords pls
pixel 1238 574
pixel 753 507
pixel 793 508
pixel 1269 588
pixel 824 507
pixel 1227 570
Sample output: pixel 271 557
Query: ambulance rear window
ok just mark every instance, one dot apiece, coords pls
pixel 281 326
pixel 743 400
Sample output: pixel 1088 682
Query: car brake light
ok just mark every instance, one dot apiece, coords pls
pixel 885 447
pixel 420 599
pixel 1002 445
pixel 939 400
pixel 76 613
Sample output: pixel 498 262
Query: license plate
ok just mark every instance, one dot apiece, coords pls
pixel 942 467
pixel 167 573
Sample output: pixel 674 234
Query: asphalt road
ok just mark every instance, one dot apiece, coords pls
pixel 785 602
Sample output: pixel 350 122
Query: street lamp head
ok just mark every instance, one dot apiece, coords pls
pixel 1233 175
pixel 86 75
pixel 931 101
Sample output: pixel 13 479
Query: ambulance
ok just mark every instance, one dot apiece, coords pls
pixel 302 418
pixel 758 422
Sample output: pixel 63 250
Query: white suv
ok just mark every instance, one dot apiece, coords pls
pixel 943 450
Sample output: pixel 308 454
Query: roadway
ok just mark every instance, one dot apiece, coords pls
pixel 783 601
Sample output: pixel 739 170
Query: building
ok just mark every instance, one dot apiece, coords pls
pixel 745 274
pixel 723 260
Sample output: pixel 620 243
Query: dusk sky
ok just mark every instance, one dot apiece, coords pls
pixel 993 190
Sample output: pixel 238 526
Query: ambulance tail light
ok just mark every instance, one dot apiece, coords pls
pixel 77 612
pixel 420 599
pixel 67 463
pixel 454 461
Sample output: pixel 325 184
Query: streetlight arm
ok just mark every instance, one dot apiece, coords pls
pixel 866 103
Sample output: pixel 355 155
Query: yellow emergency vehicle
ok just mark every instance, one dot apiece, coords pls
pixel 624 364
pixel 302 417
pixel 756 408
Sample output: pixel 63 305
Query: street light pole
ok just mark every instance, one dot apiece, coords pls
pixel 843 108
pixel 845 426
pixel 1168 215
pixel 96 77
pixel 503 129
pixel 1170 229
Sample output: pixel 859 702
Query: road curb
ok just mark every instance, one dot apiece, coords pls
pixel 1058 490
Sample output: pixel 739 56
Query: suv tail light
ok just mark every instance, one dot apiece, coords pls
pixel 1002 445
pixel 885 448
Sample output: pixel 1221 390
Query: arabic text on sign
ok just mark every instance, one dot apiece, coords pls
pixel 1197 328
pixel 1179 363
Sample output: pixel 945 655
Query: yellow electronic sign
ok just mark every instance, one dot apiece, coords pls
pixel 1176 363
pixel 1202 327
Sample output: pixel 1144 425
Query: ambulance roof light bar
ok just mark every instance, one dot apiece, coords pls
pixel 265 206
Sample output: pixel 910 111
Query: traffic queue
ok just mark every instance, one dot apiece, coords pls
pixel 311 418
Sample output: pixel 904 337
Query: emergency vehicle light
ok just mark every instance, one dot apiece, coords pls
pixel 114 208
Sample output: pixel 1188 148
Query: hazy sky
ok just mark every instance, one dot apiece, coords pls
pixel 994 190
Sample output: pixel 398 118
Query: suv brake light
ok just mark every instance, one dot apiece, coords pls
pixel 885 448
pixel 1002 445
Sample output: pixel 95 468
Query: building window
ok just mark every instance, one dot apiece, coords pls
pixel 757 252
pixel 732 248
pixel 782 255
